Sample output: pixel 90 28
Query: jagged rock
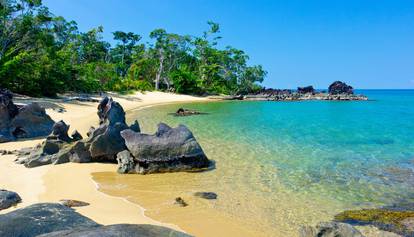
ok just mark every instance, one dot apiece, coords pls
pixel 60 132
pixel 126 163
pixel 135 127
pixel 40 219
pixel 73 203
pixel 330 229
pixel 124 230
pixel 76 136
pixel 168 150
pixel 206 195
pixel 110 111
pixel 8 199
pixel 339 87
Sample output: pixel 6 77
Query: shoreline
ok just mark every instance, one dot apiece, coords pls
pixel 68 181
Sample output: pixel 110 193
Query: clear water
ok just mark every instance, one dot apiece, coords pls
pixel 321 155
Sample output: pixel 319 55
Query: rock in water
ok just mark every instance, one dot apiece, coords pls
pixel 306 90
pixel 206 195
pixel 8 199
pixel 168 150
pixel 339 87
pixel 40 219
pixel 123 230
pixel 330 229
pixel 126 163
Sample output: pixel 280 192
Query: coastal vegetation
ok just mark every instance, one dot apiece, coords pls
pixel 42 54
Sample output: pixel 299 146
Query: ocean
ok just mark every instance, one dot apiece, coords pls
pixel 282 165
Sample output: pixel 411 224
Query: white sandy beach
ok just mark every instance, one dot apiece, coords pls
pixel 73 181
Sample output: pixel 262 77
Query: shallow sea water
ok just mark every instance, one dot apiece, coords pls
pixel 281 165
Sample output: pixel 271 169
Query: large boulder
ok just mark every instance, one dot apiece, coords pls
pixel 102 144
pixel 8 199
pixel 40 219
pixel 330 229
pixel 339 87
pixel 126 230
pixel 306 90
pixel 168 150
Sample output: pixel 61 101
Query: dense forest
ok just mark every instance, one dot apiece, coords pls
pixel 42 54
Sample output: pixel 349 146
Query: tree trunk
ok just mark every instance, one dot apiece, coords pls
pixel 160 70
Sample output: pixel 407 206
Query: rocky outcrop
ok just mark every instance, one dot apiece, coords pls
pixel 27 121
pixel 186 112
pixel 126 230
pixel 397 220
pixel 168 150
pixel 339 87
pixel 330 229
pixel 42 218
pixel 102 144
pixel 8 199
pixel 306 90
pixel 51 219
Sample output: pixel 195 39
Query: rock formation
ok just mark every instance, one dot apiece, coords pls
pixel 8 199
pixel 26 121
pixel 186 112
pixel 339 87
pixel 53 220
pixel 306 90
pixel 168 150
pixel 330 229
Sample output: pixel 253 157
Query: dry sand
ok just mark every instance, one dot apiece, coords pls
pixel 74 181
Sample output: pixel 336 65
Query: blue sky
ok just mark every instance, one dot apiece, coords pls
pixel 368 43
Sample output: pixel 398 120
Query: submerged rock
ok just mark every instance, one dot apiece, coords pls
pixel 125 230
pixel 179 201
pixel 40 219
pixel 400 222
pixel 186 112
pixel 168 150
pixel 8 199
pixel 330 229
pixel 206 195
pixel 339 87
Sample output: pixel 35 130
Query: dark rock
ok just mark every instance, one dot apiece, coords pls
pixel 389 220
pixel 120 230
pixel 40 219
pixel 168 150
pixel 73 203
pixel 110 112
pixel 186 112
pixel 126 163
pixel 135 127
pixel 339 87
pixel 79 153
pixel 50 147
pixel 60 132
pixel 31 121
pixel 179 201
pixel 306 90
pixel 330 229
pixel 206 195
pixel 8 199
pixel 105 145
pixel 76 136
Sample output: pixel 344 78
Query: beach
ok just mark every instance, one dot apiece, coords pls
pixel 74 181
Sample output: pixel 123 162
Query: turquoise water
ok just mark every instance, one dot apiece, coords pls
pixel 345 154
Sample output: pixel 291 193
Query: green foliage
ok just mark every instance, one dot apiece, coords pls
pixel 41 54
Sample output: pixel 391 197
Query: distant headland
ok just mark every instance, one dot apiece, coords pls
pixel 337 91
